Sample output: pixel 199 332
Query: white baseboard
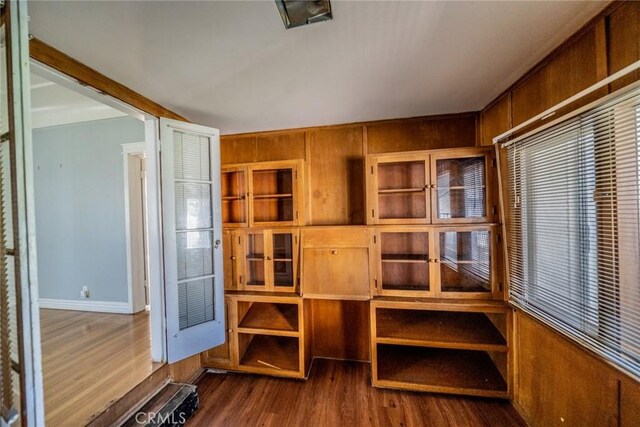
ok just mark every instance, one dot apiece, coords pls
pixel 86 305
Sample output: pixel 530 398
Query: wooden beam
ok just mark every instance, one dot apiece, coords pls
pixel 60 61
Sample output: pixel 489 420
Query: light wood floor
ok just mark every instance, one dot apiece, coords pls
pixel 337 393
pixel 90 360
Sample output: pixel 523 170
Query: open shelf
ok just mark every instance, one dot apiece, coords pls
pixel 272 196
pixel 268 316
pixel 269 352
pixel 458 330
pixel 401 190
pixel 439 370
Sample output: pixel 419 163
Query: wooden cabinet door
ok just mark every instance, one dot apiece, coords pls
pixel 221 356
pixel 275 193
pixel 284 260
pixel 235 189
pixel 461 186
pixel 230 263
pixel 404 264
pixel 255 246
pixel 397 186
pixel 465 262
pixel 335 263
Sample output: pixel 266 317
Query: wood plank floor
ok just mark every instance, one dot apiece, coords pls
pixel 337 393
pixel 90 360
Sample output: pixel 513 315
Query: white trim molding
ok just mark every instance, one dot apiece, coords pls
pixel 85 305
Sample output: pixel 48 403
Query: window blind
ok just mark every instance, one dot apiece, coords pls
pixel 572 202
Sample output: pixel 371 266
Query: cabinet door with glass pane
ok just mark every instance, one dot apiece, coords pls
pixel 398 189
pixel 270 260
pixel 405 256
pixel 465 262
pixel 235 189
pixel 275 196
pixel 460 191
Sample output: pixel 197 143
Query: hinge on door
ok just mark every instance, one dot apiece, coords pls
pixel 374 239
pixel 241 279
pixel 295 239
pixel 297 215
pixel 498 237
pixel 371 170
pixel 494 163
pixel 375 283
pixel 495 210
pixel 373 215
pixel 500 286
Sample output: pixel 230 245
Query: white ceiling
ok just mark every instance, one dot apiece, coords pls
pixel 232 65
pixel 52 104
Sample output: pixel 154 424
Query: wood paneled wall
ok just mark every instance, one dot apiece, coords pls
pixel 334 156
pixel 558 382
pixel 334 161
pixel 608 43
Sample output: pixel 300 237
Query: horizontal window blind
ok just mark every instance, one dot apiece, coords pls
pixel 572 202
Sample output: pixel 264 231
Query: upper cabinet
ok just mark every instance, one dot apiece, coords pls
pixel 430 187
pixel 265 194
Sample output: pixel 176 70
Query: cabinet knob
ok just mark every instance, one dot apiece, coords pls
pixel 233 258
pixel 267 258
pixel 334 252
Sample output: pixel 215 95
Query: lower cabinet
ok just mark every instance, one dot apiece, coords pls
pixel 442 347
pixel 267 335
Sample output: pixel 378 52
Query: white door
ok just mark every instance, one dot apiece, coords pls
pixel 192 233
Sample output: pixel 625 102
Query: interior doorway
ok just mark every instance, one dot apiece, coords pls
pixel 135 178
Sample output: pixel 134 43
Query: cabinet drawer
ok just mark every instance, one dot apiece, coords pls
pixel 336 273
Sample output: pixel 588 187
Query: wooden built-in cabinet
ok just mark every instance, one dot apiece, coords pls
pixel 441 262
pixel 268 334
pixel 431 187
pixel 458 347
pixel 265 194
pixel 266 259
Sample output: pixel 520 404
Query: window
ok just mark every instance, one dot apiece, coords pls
pixel 573 226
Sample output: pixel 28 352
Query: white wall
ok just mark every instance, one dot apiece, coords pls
pixel 80 214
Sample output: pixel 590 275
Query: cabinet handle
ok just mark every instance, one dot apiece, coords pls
pixel 233 258
pixel 334 252
pixel 267 258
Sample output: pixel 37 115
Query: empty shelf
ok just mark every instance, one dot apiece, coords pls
pixel 271 317
pixel 459 330
pixel 440 370
pixel 270 352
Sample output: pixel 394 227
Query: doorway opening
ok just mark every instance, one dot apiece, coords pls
pixel 100 334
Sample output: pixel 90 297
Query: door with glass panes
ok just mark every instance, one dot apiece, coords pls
pixel 192 231
pixel 270 259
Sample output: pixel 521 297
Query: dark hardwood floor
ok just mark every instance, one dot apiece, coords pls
pixel 337 393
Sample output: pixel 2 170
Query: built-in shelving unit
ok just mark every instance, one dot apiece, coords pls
pixel 448 347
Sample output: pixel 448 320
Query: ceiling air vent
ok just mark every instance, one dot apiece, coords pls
pixel 295 13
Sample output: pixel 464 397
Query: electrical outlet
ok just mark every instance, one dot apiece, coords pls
pixel 84 293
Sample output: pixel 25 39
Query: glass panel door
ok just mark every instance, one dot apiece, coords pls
pixel 461 191
pixel 256 261
pixel 465 264
pixel 400 189
pixel 192 232
pixel 234 197
pixel 273 195
pixel 283 261
pixel 404 259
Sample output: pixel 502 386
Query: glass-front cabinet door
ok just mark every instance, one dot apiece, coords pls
pixel 270 259
pixel 404 267
pixel 255 261
pixel 465 267
pixel 398 189
pixel 460 192
pixel 274 194
pixel 235 207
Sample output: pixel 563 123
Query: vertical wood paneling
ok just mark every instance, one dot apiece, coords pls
pixel 237 149
pixel 575 68
pixel 336 176
pixel 280 146
pixel 496 119
pixel 623 37
pixel 559 383
pixel 341 329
